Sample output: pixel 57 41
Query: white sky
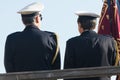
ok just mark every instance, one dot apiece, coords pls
pixel 58 16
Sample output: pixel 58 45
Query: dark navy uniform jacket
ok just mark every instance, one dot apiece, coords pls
pixel 90 50
pixel 31 50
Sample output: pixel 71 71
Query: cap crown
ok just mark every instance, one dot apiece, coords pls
pixel 84 13
pixel 31 8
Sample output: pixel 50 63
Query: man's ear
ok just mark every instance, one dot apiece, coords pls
pixel 79 25
pixel 80 29
pixel 37 19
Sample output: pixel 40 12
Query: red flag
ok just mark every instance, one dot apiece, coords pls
pixel 109 21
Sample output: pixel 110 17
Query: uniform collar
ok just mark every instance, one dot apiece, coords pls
pixel 89 32
pixel 31 27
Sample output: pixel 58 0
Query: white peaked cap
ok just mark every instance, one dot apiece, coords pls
pixel 31 8
pixel 84 13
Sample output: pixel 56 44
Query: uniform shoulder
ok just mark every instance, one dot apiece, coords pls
pixel 73 39
pixel 49 33
pixel 106 36
pixel 52 35
pixel 14 34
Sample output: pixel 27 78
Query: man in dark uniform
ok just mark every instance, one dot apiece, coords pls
pixel 89 49
pixel 32 49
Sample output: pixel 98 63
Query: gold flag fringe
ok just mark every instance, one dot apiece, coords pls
pixel 117 52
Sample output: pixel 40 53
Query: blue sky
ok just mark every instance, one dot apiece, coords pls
pixel 58 16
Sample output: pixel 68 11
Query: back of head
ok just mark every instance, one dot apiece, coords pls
pixel 87 20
